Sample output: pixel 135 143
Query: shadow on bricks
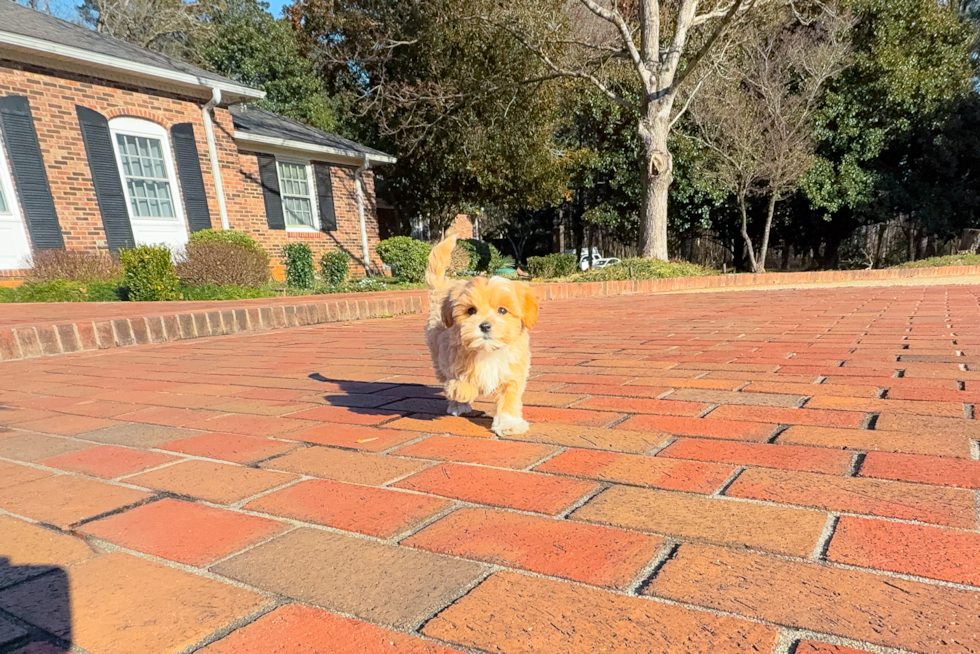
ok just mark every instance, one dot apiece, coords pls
pixel 35 609
pixel 386 400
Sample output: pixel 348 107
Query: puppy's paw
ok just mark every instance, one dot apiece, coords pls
pixel 458 408
pixel 504 425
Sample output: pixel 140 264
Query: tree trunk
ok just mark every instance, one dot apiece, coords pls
pixel 764 250
pixel 785 262
pixel 657 173
pixel 749 249
pixel 591 243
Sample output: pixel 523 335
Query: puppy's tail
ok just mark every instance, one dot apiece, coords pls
pixel 439 260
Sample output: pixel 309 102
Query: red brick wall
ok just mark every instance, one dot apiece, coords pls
pixel 53 96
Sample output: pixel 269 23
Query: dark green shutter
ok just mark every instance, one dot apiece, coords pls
pixel 191 179
pixel 324 193
pixel 105 178
pixel 30 177
pixel 269 176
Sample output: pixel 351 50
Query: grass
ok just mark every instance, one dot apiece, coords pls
pixel 948 260
pixel 638 268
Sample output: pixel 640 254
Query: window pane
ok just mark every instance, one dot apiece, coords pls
pixel 3 203
pixel 299 213
pixel 146 176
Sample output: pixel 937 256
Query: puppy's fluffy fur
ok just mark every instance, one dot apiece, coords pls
pixel 477 333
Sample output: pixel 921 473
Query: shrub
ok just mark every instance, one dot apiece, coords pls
pixel 61 290
pixel 406 256
pixel 298 259
pixel 222 263
pixel 962 259
pixel 225 236
pixel 551 265
pixel 8 294
pixel 460 262
pixel 639 268
pixel 150 273
pixel 335 267
pixel 225 292
pixel 73 266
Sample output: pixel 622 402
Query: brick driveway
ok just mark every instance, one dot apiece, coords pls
pixel 782 471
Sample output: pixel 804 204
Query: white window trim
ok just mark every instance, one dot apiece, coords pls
pixel 314 198
pixel 139 127
pixel 13 212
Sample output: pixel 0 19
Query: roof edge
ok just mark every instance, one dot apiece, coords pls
pixel 108 61
pixel 302 146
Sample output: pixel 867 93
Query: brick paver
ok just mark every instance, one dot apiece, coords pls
pixel 765 471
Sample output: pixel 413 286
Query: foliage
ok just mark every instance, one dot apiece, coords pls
pixel 407 257
pixel 61 290
pixel 910 58
pixel 335 267
pixel 638 268
pixel 483 257
pixel 298 260
pixel 461 259
pixel 73 265
pixel 949 260
pixel 242 239
pixel 552 265
pixel 222 263
pixel 224 292
pixel 149 273
pixel 254 48
pixel 446 95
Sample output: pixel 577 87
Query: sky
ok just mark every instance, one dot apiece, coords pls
pixel 275 7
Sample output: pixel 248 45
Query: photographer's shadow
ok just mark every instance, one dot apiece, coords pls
pixel 35 609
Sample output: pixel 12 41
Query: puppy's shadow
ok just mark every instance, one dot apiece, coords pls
pixel 35 608
pixel 396 400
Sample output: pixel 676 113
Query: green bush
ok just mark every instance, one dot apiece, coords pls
pixel 406 256
pixel 966 259
pixel 225 292
pixel 225 236
pixel 298 259
pixel 150 273
pixel 639 268
pixel 551 265
pixel 335 267
pixel 61 290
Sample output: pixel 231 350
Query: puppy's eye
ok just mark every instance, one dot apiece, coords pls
pixel 471 311
pixel 502 311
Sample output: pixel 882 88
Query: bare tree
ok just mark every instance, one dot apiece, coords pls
pixel 173 27
pixel 757 115
pixel 662 42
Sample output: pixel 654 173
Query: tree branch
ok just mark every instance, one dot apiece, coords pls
pixel 617 19
pixel 687 104
pixel 706 48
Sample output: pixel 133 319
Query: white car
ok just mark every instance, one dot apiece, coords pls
pixel 597 261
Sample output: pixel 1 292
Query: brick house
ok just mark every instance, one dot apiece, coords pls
pixel 106 145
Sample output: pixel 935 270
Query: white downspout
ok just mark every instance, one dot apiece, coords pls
pixel 359 184
pixel 219 188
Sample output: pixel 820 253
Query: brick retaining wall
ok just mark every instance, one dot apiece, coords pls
pixel 28 330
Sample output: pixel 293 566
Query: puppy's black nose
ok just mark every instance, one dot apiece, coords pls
pixel 485 327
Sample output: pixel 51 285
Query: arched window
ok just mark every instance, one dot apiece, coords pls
pixel 147 170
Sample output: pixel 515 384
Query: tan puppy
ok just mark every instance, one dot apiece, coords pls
pixel 477 334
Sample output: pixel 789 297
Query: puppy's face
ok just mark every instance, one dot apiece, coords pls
pixel 491 313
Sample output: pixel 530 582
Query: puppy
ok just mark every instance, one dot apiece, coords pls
pixel 477 333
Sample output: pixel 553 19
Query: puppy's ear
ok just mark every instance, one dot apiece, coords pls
pixel 529 305
pixel 447 310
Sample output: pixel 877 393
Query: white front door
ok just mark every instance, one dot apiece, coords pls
pixel 15 248
pixel 146 168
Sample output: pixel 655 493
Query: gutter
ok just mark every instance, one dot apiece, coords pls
pixel 219 188
pixel 302 146
pixel 34 45
pixel 359 184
